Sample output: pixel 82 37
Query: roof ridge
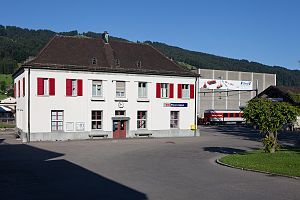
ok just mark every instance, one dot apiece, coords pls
pixel 76 36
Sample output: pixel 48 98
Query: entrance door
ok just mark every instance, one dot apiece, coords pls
pixel 119 129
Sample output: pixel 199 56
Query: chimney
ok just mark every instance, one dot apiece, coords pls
pixel 105 36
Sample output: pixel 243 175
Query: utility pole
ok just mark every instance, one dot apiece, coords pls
pixel 256 90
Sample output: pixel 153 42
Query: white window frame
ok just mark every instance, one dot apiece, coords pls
pixel 57 120
pixel 164 90
pixel 97 84
pixel 174 120
pixel 97 120
pixel 74 87
pixel 185 88
pixel 120 92
pixel 142 91
pixel 141 120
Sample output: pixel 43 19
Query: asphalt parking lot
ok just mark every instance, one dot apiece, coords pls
pixel 166 168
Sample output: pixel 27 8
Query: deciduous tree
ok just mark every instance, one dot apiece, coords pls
pixel 270 117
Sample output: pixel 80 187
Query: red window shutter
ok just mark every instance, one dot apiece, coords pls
pixel 192 91
pixel 15 90
pixel 19 88
pixel 51 86
pixel 23 86
pixel 79 87
pixel 40 86
pixel 171 95
pixel 158 90
pixel 69 87
pixel 179 91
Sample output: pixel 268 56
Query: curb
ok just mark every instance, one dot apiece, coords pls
pixel 254 170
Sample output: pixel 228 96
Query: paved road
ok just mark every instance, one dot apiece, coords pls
pixel 168 168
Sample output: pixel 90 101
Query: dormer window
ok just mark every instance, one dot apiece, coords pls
pixel 117 62
pixel 139 64
pixel 94 61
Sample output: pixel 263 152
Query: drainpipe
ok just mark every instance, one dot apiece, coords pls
pixel 28 112
pixel 195 95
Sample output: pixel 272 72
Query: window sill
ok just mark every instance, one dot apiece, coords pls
pixel 97 99
pixel 121 99
pixel 46 95
pixel 143 100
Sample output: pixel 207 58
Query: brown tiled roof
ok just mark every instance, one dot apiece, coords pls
pixel 76 53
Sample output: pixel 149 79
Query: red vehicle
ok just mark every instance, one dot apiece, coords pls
pixel 223 116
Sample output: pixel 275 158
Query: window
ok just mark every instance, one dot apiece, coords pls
pixel 96 119
pixel 19 88
pixel 120 113
pixel 174 120
pixel 94 61
pixel 117 62
pixel 73 87
pixel 142 90
pixel 141 119
pixel 139 64
pixel 120 89
pixel 185 91
pixel 164 90
pixel 97 89
pixel 23 86
pixel 57 120
pixel 45 86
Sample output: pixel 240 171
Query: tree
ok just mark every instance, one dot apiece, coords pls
pixel 3 86
pixel 270 117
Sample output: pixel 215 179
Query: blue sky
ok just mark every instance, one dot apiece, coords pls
pixel 266 31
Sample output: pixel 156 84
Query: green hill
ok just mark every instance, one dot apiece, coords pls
pixel 17 44
pixel 284 76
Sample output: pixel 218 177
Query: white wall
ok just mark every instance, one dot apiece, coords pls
pixel 22 102
pixel 78 109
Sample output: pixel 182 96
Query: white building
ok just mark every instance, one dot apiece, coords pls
pixel 78 87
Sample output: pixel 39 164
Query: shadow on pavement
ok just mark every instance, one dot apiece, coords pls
pixel 225 150
pixel 249 133
pixel 26 173
pixel 289 138
pixel 244 132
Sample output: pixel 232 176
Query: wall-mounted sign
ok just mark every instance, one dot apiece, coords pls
pixel 175 104
pixel 80 126
pixel 216 84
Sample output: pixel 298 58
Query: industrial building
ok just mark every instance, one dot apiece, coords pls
pixel 229 90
